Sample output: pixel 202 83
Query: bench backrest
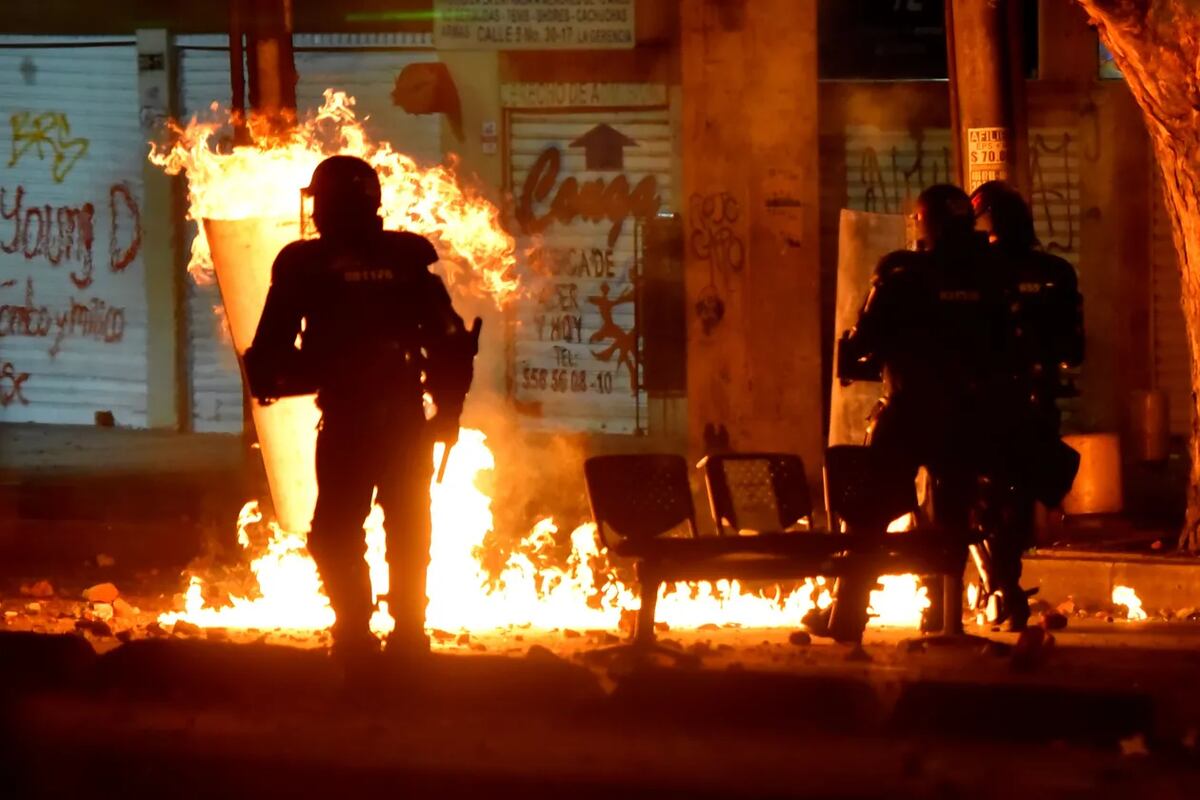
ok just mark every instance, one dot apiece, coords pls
pixel 757 491
pixel 863 491
pixel 639 496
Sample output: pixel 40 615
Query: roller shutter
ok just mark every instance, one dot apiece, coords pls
pixel 72 293
pixel 581 179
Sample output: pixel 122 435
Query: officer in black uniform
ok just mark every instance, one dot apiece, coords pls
pixel 933 329
pixel 1046 313
pixel 376 331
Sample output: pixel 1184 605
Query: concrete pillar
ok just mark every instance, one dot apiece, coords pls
pixel 987 91
pixel 167 397
pixel 752 271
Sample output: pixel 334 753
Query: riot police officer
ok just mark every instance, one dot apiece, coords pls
pixel 1046 324
pixel 376 331
pixel 932 329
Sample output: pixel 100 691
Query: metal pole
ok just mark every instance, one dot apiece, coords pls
pixel 272 67
pixel 987 91
pixel 237 67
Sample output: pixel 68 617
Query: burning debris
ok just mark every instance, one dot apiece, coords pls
pixel 584 593
pixel 1124 597
pixel 263 179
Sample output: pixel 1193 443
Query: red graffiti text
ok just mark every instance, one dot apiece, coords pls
pixel 11 382
pixel 66 234
pixel 91 318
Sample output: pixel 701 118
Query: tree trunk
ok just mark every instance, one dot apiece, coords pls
pixel 1156 44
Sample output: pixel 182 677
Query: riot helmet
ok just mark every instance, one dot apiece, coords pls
pixel 943 215
pixel 345 194
pixel 1004 215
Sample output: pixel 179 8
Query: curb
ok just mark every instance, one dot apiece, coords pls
pixel 1162 583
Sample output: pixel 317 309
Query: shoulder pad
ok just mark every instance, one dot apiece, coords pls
pixel 297 256
pixel 406 245
pixel 1056 265
pixel 896 264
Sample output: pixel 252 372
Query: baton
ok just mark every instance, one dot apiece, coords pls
pixel 475 330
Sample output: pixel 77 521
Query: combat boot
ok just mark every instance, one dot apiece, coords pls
pixel 406 651
pixel 356 655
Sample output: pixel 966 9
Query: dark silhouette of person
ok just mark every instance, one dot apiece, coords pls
pixel 933 329
pixel 1047 337
pixel 376 331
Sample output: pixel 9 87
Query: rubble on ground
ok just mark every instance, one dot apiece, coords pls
pixel 1054 621
pixel 41 588
pixel 101 593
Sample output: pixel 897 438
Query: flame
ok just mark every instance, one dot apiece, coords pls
pixel 581 593
pixel 1127 597
pixel 263 178
pixel 545 583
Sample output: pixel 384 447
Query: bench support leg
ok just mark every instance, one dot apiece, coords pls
pixel 643 628
pixel 643 644
pixel 952 599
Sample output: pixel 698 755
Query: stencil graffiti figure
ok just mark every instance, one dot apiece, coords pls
pixel 623 346
pixel 49 129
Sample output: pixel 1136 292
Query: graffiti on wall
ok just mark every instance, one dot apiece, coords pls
pixel 57 235
pixel 886 170
pixel 56 256
pixel 11 382
pixel 47 133
pixel 714 238
pixel 1054 196
pixel 890 175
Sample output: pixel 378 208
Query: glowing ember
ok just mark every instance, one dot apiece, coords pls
pixel 1127 597
pixel 264 179
pixel 900 602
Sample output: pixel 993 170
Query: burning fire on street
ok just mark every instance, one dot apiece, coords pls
pixel 262 180
pixel 584 593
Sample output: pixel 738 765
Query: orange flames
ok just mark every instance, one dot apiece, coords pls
pixel 1126 597
pixel 263 180
pixel 584 593
pixel 264 177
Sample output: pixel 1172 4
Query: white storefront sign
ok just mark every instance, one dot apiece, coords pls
pixel 582 182
pixel 533 24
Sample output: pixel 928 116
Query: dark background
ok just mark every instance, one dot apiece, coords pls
pixel 894 39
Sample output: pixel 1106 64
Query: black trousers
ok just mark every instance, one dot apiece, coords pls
pixel 358 453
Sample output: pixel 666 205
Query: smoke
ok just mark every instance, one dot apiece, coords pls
pixel 537 474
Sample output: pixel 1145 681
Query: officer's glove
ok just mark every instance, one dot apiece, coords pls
pixel 445 424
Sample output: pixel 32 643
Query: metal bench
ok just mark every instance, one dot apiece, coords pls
pixel 642 506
